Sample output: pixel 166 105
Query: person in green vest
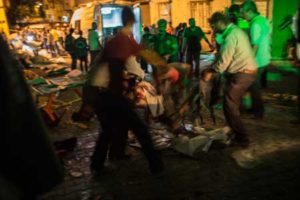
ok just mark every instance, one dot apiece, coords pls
pixel 166 45
pixel 94 43
pixel 260 38
pixel 192 44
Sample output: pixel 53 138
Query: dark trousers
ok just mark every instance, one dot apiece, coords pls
pixel 298 101
pixel 256 94
pixel 73 57
pixel 144 65
pixel 116 115
pixel 83 63
pixel 236 86
pixel 94 55
pixel 194 56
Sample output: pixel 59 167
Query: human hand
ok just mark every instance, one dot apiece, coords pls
pixel 212 47
pixel 207 75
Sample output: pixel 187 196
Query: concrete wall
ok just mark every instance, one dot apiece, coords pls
pixel 219 5
pixel 154 15
pixel 180 11
pixel 145 14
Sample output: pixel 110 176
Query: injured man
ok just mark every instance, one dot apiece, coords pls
pixel 138 90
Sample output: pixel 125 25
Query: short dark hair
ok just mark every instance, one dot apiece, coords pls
pixel 162 22
pixel 250 5
pixel 146 29
pixel 127 16
pixel 218 16
pixel 234 8
pixel 71 30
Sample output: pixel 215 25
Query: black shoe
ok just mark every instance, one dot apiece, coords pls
pixel 243 142
pixel 101 172
pixel 259 116
pixel 96 169
pixel 120 157
pixel 238 142
pixel 249 111
pixel 157 167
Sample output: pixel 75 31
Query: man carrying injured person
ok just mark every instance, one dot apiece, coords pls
pixel 237 62
pixel 114 110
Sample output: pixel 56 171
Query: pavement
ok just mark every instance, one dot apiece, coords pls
pixel 268 170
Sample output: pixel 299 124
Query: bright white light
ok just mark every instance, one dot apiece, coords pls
pixel 65 19
pixel 29 38
pixel 106 10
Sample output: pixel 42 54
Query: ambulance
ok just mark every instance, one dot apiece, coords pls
pixel 107 16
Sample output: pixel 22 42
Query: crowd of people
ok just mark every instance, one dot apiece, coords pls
pixel 54 42
pixel 243 53
pixel 116 80
pixel 240 40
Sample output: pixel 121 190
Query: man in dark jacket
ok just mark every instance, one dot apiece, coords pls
pixel 192 44
pixel 81 51
pixel 29 165
pixel 70 47
pixel 113 109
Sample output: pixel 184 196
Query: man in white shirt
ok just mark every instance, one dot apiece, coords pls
pixel 261 43
pixel 94 43
pixel 236 61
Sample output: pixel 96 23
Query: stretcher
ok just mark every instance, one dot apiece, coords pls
pixel 50 90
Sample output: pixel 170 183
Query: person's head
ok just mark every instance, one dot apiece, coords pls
pixel 80 33
pixel 162 25
pixel 249 10
pixel 146 29
pixel 234 13
pixel 192 22
pixel 94 25
pixel 71 30
pixel 116 30
pixel 184 25
pixel 218 22
pixel 128 18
